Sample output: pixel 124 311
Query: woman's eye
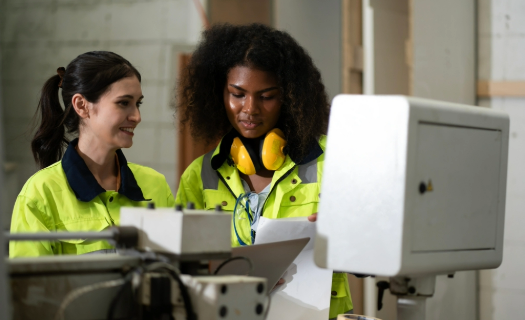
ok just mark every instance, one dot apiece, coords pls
pixel 267 97
pixel 124 103
pixel 139 104
pixel 240 95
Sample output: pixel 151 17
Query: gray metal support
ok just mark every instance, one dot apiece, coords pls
pixel 411 308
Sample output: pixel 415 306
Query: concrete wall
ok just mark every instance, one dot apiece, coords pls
pixel 391 32
pixel 444 50
pixel 502 58
pixel 316 25
pixel 38 36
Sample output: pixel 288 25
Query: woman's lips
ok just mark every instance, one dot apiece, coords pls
pixel 127 131
pixel 249 124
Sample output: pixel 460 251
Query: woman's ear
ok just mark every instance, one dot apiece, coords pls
pixel 81 105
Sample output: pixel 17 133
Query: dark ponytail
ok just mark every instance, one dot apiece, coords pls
pixel 89 74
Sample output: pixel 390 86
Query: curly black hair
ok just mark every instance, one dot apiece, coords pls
pixel 304 110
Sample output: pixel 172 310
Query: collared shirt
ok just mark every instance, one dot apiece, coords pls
pixel 256 201
pixel 117 163
pixel 66 197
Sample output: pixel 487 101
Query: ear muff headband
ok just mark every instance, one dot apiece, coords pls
pixel 247 158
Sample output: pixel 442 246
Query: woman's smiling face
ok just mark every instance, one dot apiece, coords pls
pixel 252 100
pixel 116 114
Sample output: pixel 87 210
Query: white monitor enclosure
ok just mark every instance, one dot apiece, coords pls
pixel 412 186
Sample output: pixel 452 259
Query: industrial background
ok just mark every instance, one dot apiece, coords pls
pixel 469 51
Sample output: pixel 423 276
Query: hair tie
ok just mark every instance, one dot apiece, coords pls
pixel 61 72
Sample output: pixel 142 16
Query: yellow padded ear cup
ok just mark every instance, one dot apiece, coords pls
pixel 241 157
pixel 272 151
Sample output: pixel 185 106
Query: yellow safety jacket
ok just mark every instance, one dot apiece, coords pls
pixel 66 197
pixel 213 179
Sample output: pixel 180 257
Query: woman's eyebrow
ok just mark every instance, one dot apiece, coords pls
pixel 268 89
pixel 261 91
pixel 237 87
pixel 128 96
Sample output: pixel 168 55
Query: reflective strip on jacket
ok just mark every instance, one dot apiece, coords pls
pixel 295 192
pixel 48 202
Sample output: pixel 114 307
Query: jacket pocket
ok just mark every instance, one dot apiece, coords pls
pixel 213 198
pixel 339 285
pixel 300 201
pixel 341 300
pixel 81 246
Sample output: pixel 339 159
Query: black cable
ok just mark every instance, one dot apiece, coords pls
pixel 174 273
pixel 190 314
pixel 225 262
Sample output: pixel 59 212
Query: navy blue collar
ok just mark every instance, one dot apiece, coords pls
pixel 314 152
pixel 84 184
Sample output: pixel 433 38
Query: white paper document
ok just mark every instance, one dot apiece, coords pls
pixel 305 295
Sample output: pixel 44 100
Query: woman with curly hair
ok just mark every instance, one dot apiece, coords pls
pixel 258 91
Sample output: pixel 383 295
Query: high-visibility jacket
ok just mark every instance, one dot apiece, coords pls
pixel 66 197
pixel 213 179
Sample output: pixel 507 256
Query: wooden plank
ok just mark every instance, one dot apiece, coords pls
pixel 240 11
pixel 488 89
pixel 352 44
pixel 356 291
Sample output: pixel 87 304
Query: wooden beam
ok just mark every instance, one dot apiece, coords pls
pixel 356 292
pixel 488 89
pixel 240 11
pixel 352 43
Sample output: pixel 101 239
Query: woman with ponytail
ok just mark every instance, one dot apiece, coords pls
pixel 84 181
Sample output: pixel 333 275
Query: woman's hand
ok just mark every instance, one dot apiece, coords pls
pixel 281 281
pixel 311 218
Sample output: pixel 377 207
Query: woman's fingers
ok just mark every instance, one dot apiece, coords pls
pixel 312 217
pixel 281 281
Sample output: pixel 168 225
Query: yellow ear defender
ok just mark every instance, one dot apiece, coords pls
pixel 248 159
pixel 272 151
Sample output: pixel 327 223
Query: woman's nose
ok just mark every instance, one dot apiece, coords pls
pixel 250 105
pixel 135 115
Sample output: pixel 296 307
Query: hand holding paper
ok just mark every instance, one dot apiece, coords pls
pixel 306 291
